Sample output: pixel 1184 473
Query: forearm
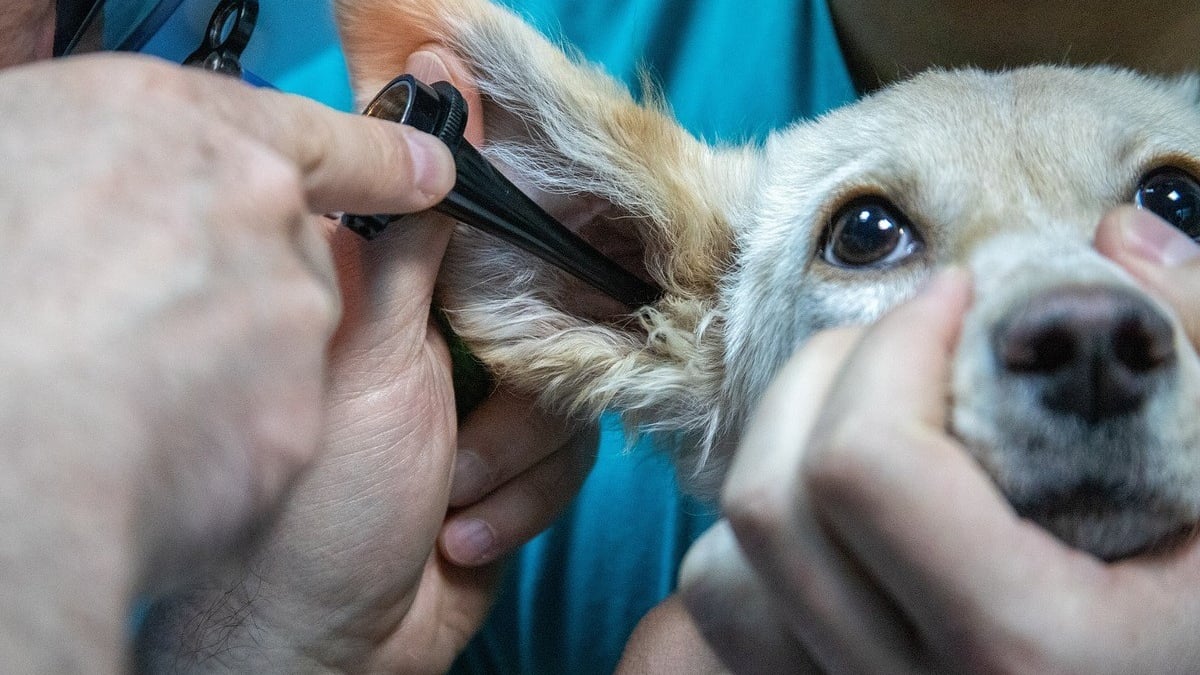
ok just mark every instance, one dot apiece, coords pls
pixel 884 40
pixel 234 622
pixel 213 630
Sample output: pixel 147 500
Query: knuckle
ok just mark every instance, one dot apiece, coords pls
pixel 316 306
pixel 838 461
pixel 391 162
pixel 270 179
pixel 756 513
pixel 156 81
pixel 313 138
pixel 304 308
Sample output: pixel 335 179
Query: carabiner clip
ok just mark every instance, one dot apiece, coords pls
pixel 228 33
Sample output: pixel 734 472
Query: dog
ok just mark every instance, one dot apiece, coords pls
pixel 1073 388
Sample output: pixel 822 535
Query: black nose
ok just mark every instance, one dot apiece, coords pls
pixel 1093 352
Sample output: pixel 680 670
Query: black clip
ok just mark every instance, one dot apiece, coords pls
pixel 228 33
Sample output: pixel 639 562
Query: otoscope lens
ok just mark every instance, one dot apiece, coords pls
pixel 393 103
pixel 409 101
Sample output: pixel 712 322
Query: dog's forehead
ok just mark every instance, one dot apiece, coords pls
pixel 967 147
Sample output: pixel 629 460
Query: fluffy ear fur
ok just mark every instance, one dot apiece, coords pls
pixel 623 175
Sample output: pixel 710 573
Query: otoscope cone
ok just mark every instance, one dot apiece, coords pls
pixel 483 198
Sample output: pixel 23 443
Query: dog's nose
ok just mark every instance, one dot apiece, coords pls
pixel 1093 352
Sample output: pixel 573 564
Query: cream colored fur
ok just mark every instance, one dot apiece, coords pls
pixel 1007 173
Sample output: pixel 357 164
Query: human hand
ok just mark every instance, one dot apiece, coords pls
pixel 170 296
pixel 350 577
pixel 883 547
pixel 516 469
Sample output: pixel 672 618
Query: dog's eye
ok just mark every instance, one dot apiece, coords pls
pixel 1173 195
pixel 869 232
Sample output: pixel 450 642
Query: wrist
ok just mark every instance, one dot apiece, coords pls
pixel 228 623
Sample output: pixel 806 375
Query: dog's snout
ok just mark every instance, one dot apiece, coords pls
pixel 1093 352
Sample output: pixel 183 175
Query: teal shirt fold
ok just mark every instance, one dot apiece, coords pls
pixel 732 71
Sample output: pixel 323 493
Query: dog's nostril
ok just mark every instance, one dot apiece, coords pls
pixel 1088 351
pixel 1144 343
pixel 1038 349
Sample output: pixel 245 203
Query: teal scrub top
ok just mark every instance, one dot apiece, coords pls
pixel 732 71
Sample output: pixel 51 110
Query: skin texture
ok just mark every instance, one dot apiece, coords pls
pixel 885 41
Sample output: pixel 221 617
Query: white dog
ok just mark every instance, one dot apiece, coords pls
pixel 1072 387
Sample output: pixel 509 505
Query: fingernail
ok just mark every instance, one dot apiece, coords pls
pixel 469 479
pixel 469 542
pixel 1153 239
pixel 432 164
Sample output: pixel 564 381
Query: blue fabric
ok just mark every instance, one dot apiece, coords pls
pixel 295 45
pixel 731 70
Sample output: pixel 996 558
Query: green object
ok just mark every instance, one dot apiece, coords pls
pixel 472 381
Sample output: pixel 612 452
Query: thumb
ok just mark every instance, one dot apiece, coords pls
pixel 1161 257
pixel 389 282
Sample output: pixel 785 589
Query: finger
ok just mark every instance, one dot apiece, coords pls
pixel 786 413
pixel 347 162
pixel 734 611
pixel 390 280
pixel 387 289
pixel 258 182
pixel 1162 257
pixel 839 615
pixel 666 640
pixel 903 497
pixel 503 437
pixel 520 509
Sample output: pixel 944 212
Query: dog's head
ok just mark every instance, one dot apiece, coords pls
pixel 1074 389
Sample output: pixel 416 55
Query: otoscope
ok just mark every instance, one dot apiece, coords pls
pixel 485 199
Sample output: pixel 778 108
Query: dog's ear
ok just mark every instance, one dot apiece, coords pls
pixel 623 175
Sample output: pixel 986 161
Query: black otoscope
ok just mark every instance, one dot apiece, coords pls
pixel 483 198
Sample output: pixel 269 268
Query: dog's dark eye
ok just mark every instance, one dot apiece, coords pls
pixel 869 232
pixel 1173 195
